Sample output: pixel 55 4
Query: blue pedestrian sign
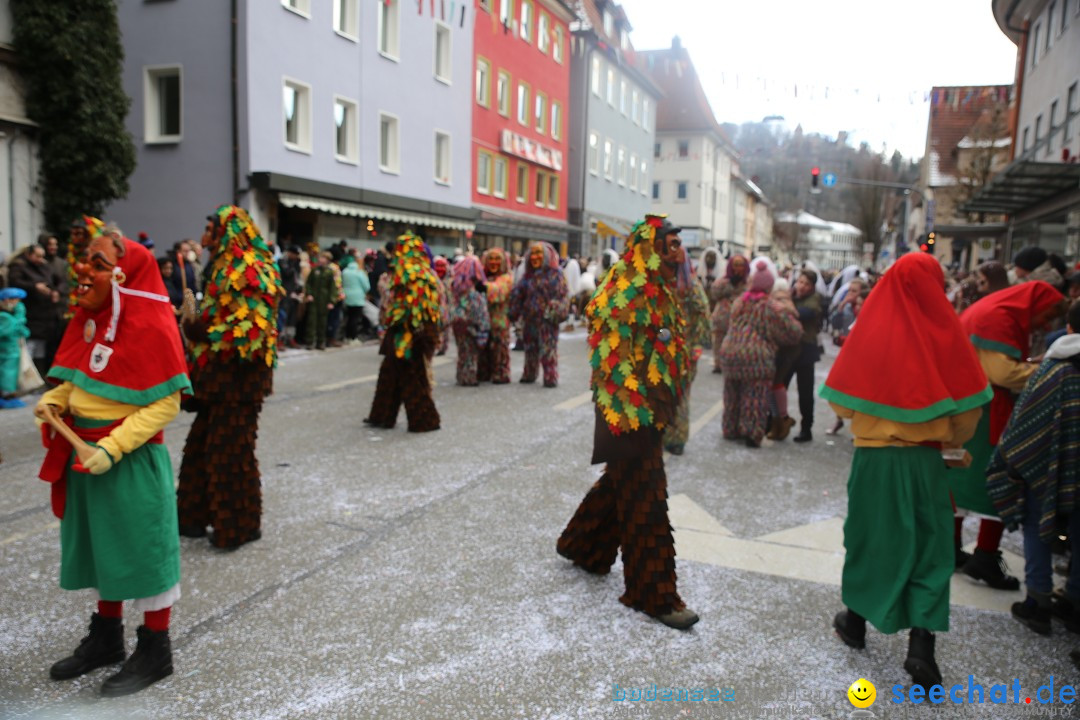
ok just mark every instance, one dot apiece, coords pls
pixel 828 179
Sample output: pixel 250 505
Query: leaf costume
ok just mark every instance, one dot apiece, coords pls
pixel 234 343
pixel 495 357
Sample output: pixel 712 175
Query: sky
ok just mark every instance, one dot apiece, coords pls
pixel 864 66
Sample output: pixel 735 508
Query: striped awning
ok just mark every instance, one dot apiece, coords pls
pixel 338 207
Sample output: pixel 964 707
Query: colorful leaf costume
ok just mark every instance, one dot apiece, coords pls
pixel 469 316
pixel 495 358
pixel 540 299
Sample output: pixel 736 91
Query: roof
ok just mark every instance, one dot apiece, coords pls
pixel 591 24
pixel 959 114
pixel 803 218
pixel 1024 184
pixel 685 107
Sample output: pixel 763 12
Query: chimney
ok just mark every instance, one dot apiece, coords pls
pixel 676 43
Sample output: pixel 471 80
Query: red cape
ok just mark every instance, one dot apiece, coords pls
pixel 907 359
pixel 144 361
pixel 1002 321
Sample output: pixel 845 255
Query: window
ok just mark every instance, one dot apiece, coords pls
pixel 556 121
pixel 624 39
pixel 633 184
pixel 1025 145
pixel 163 110
pixel 526 20
pixel 1038 129
pixel 1071 107
pixel 442 52
pixel 557 48
pixel 540 112
pixel 347 18
pixel 714 198
pixel 523 104
pixel 442 158
pixel 597 69
pixel 646 117
pixel 681 190
pixel 297 107
pixel 543 37
pixel 506 11
pixel 389 144
pixel 1050 24
pixel 483 82
pixel 553 192
pixel 611 87
pixel 389 11
pixel 609 160
pixel 522 183
pixel 547 190
pixel 1064 16
pixel 346 130
pixel 541 189
pixel 644 173
pixel 609 23
pixel 656 191
pixel 684 149
pixel 300 7
pixel 622 166
pixel 1050 129
pixel 624 99
pixel 502 169
pixel 656 151
pixel 1035 46
pixel 635 107
pixel 484 161
pixel 502 93
pixel 594 153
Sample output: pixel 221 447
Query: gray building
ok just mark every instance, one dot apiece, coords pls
pixel 295 110
pixel 612 121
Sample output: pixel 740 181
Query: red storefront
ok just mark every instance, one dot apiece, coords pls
pixel 521 96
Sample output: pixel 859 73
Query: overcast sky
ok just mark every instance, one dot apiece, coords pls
pixel 865 66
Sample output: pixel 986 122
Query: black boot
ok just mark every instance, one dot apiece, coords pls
pixel 151 661
pixel 920 663
pixel 804 436
pixel 991 569
pixel 103 646
pixel 962 557
pixel 1034 612
pixel 851 627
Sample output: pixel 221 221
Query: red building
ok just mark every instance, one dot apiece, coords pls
pixel 521 96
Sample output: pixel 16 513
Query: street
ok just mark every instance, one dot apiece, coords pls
pixel 415 576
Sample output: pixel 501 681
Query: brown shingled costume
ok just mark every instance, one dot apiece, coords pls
pixel 405 381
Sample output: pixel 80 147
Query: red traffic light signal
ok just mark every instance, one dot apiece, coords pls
pixel 815 176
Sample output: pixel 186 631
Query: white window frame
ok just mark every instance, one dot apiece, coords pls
pixel 557 47
pixel 447 159
pixel 389 12
pixel 152 134
pixel 352 130
pixel 594 153
pixel 646 106
pixel 632 183
pixel 686 184
pixel 643 178
pixel 303 115
pixel 487 177
pixel 394 167
pixel 624 97
pixel 500 189
pixel 521 189
pixel 300 7
pixel 482 90
pixel 609 159
pixel 443 30
pixel 526 20
pixel 635 108
pixel 349 28
pixel 506 12
pixel 556 121
pixel 524 109
pixel 596 80
pixel 543 30
pixel 507 99
pixel 610 86
pixel 552 197
pixel 621 165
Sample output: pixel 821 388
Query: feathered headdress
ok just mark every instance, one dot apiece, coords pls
pixel 242 290
pixel 414 293
pixel 636 340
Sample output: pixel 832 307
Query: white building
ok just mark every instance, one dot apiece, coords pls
pixel 829 245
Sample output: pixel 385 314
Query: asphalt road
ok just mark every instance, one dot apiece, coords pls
pixel 415 576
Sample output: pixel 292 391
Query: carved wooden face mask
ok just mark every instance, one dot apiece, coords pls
pixel 94 273
pixel 671 255
pixel 536 257
pixel 494 265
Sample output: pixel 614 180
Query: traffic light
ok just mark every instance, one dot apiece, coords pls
pixel 927 245
pixel 815 177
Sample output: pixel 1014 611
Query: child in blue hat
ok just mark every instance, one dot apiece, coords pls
pixel 12 330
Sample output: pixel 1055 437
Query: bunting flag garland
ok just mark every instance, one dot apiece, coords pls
pixel 414 293
pixel 636 338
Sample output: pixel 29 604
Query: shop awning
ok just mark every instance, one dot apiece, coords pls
pixel 339 207
pixel 1023 184
pixel 515 226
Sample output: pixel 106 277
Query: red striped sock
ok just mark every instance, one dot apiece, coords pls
pixel 157 620
pixel 110 608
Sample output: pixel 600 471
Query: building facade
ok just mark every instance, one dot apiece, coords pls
pixel 20 198
pixel 520 104
pixel 612 120
pixel 829 245
pixel 1039 190
pixel 314 154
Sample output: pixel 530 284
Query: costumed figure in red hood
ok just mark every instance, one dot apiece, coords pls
pixel 83 230
pixel 911 385
pixel 495 358
pixel 540 299
pixel 469 316
pixel 234 341
pixel 442 271
pixel 1000 327
pixel 411 317
pixel 120 369
pixel 640 369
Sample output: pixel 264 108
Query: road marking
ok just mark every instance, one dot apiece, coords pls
pixel 712 412
pixel 576 401
pixel 813 552
pixel 29 533
pixel 437 362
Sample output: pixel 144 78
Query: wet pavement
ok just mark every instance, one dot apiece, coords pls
pixel 414 576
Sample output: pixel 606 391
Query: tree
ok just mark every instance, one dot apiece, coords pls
pixel 72 59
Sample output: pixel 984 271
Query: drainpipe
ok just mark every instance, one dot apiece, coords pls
pixel 11 184
pixel 234 92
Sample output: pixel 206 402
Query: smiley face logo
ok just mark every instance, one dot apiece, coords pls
pixel 862 693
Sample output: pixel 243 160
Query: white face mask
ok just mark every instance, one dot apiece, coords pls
pixel 191 256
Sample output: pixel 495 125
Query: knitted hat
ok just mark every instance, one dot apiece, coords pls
pixel 761 276
pixel 1030 258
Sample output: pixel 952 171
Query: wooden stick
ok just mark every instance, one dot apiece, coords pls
pixel 82 450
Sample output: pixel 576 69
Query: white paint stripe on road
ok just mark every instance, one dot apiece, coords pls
pixel 576 401
pixel 712 412
pixel 437 362
pixel 29 533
